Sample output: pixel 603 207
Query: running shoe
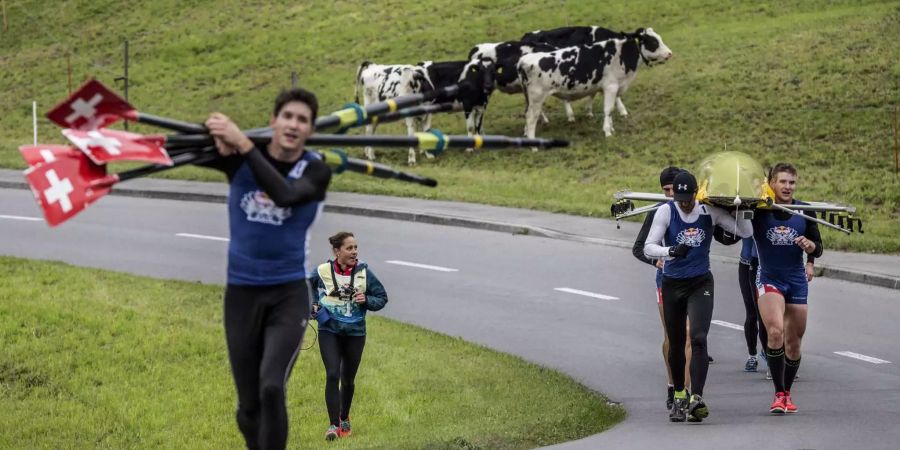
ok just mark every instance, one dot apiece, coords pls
pixel 711 360
pixel 332 433
pixel 345 429
pixel 678 411
pixel 768 374
pixel 751 364
pixel 697 410
pixel 789 405
pixel 670 397
pixel 778 405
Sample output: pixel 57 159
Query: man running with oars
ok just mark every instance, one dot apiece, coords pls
pixel 681 234
pixel 782 239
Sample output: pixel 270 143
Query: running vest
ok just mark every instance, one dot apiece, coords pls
pixel 697 235
pixel 338 299
pixel 269 244
pixel 779 256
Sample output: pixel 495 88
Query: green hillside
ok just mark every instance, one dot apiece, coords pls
pixel 810 82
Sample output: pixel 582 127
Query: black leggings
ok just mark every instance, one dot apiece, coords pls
pixel 683 298
pixel 341 356
pixel 264 326
pixel 753 325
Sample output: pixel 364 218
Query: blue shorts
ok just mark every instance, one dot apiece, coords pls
pixel 794 291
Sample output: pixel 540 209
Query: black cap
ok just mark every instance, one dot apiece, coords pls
pixel 667 176
pixel 685 186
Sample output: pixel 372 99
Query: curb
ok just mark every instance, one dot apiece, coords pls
pixel 464 222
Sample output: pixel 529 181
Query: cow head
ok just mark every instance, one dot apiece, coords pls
pixel 653 49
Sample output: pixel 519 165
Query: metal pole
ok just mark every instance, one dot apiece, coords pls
pixel 125 76
pixel 896 151
pixel 69 66
pixel 34 120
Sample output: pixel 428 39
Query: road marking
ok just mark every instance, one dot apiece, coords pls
pixel 201 236
pixel 862 357
pixel 725 324
pixel 422 266
pixel 585 293
pixel 30 219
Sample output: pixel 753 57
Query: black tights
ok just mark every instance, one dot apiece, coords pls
pixel 683 298
pixel 341 356
pixel 753 325
pixel 263 328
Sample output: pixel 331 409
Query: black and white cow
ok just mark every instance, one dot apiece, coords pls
pixel 382 82
pixel 576 72
pixel 568 37
pixel 476 81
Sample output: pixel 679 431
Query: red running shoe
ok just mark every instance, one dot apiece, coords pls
pixel 778 406
pixel 789 405
pixel 345 429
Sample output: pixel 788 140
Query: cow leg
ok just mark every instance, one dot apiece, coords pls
pixel 621 107
pixel 570 115
pixel 411 131
pixel 370 152
pixel 590 105
pixel 425 125
pixel 609 101
pixel 473 122
pixel 533 111
pixel 544 117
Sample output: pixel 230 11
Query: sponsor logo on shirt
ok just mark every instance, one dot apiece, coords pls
pixel 782 235
pixel 260 208
pixel 692 237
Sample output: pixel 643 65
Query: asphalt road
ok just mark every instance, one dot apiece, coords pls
pixel 502 291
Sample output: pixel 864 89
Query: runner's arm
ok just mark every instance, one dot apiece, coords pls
pixel 310 187
pixel 812 233
pixel 653 248
pixel 741 227
pixel 638 248
pixel 376 297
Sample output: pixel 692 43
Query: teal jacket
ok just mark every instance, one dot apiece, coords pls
pixel 344 316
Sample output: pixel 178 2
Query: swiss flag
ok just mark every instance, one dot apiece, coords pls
pixel 104 145
pixel 65 186
pixel 92 106
pixel 40 154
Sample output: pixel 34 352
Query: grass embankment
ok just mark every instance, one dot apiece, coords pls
pixel 811 82
pixel 95 359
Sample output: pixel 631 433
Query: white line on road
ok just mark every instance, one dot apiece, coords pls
pixel 862 357
pixel 585 293
pixel 30 219
pixel 725 324
pixel 201 236
pixel 422 266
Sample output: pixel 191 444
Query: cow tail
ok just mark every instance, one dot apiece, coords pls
pixel 359 80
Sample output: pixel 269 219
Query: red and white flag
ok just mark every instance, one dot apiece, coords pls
pixel 104 145
pixel 65 186
pixel 40 154
pixel 91 107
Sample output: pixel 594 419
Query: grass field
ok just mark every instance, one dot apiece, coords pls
pixel 811 82
pixel 95 359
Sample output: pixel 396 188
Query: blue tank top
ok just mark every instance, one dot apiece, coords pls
pixel 779 257
pixel 697 235
pixel 748 250
pixel 269 244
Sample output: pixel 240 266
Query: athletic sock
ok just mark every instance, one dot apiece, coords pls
pixel 681 395
pixel 775 359
pixel 791 367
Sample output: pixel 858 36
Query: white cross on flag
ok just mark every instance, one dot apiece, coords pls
pixel 64 186
pixel 40 154
pixel 92 106
pixel 104 145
